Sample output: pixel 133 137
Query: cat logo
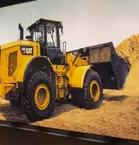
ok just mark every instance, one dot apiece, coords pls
pixel 27 50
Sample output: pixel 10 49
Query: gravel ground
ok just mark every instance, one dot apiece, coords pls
pixel 118 116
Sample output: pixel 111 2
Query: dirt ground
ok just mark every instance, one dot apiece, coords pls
pixel 118 116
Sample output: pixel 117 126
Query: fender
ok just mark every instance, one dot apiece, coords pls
pixel 77 79
pixel 29 66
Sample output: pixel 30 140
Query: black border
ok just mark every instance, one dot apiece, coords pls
pixel 24 134
pixel 19 133
pixel 4 3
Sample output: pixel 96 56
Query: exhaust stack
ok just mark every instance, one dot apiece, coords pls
pixel 21 31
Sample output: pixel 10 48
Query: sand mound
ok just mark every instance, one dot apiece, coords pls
pixel 128 49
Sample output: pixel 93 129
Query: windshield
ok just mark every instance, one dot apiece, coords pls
pixel 39 33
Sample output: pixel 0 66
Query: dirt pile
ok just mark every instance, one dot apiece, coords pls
pixel 128 49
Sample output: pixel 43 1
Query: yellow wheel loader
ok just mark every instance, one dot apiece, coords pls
pixel 37 71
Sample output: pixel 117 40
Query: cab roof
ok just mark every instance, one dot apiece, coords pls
pixel 41 21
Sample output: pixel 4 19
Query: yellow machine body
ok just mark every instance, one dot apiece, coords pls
pixel 37 71
pixel 13 65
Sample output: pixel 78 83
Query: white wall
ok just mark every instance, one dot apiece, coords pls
pixel 86 22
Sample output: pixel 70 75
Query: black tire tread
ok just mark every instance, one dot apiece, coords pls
pixel 81 97
pixel 27 99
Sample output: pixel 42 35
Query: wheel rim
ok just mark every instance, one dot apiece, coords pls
pixel 94 90
pixel 42 97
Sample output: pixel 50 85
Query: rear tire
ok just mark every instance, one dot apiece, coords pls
pixel 84 98
pixel 34 110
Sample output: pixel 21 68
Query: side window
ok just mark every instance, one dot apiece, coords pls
pixel 38 35
pixel 51 35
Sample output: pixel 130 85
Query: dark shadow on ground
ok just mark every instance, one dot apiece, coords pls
pixel 12 113
pixel 137 108
pixel 16 113
pixel 115 98
pixel 63 106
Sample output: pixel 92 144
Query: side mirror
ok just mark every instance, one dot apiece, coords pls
pixel 64 47
pixel 62 29
pixel 64 50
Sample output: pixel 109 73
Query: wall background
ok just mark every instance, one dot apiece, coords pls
pixel 86 22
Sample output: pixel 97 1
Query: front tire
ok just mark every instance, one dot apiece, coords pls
pixel 91 95
pixel 39 101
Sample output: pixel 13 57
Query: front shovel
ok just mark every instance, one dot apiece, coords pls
pixel 112 69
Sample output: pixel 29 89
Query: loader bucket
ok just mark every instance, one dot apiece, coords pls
pixel 111 68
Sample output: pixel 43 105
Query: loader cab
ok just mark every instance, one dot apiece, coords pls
pixel 47 33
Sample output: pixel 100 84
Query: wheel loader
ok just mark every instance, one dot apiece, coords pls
pixel 37 71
